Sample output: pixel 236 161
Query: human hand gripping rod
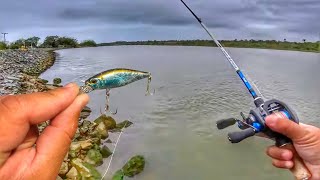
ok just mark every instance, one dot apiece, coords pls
pixel 255 122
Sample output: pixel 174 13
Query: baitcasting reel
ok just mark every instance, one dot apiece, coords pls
pixel 255 122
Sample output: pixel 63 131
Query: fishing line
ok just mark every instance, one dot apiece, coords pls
pixel 115 147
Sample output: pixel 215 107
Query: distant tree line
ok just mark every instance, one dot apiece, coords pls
pixel 69 42
pixel 49 42
pixel 266 44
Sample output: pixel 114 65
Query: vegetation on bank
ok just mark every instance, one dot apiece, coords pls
pixel 268 44
pixel 69 42
pixel 49 42
pixel 3 46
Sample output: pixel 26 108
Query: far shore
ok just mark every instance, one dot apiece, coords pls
pixel 158 43
pixel 256 44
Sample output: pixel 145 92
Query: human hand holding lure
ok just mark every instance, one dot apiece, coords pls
pixel 114 78
pixel 255 122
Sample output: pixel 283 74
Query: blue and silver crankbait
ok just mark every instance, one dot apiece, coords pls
pixel 114 78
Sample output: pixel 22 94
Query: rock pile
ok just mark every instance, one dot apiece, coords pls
pixel 15 64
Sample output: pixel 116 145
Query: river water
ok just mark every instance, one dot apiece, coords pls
pixel 195 86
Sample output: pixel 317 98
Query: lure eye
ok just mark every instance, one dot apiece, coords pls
pixel 93 81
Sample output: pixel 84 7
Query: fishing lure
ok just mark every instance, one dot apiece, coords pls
pixel 115 78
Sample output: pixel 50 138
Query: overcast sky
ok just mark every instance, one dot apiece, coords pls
pixel 114 20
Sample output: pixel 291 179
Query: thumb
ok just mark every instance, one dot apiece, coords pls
pixel 285 126
pixel 53 144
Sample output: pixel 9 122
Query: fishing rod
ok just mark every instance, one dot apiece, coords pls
pixel 255 122
pixel 234 65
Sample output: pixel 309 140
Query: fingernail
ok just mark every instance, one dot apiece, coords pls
pixel 69 85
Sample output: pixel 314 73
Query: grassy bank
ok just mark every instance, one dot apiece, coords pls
pixel 268 44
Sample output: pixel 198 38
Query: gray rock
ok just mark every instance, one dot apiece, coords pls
pixel 59 178
pixel 105 151
pixel 75 146
pixel 94 157
pixel 86 144
pixel 73 174
pixel 87 171
pixel 57 81
pixel 16 63
pixel 108 121
pixel 102 130
pixel 64 168
pixel 84 115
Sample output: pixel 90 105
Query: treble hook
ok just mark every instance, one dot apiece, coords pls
pixel 107 107
pixel 148 87
pixel 113 113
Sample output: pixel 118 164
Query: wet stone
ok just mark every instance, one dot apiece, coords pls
pixel 73 174
pixel 64 168
pixel 105 151
pixel 66 157
pixel 77 134
pixel 73 154
pixel 59 178
pixel 134 166
pixel 84 127
pixel 75 146
pixel 50 87
pixel 86 144
pixel 94 157
pixel 57 81
pixel 84 115
pixel 86 170
pixel 124 124
pixel 96 140
pixel 43 81
pixel 86 111
pixel 108 121
pixel 102 130
pixel 118 175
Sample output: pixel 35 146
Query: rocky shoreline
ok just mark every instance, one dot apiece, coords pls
pixel 19 73
pixel 20 68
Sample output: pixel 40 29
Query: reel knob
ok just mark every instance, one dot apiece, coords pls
pixel 224 123
pixel 235 137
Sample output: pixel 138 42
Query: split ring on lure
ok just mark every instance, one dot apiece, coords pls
pixel 115 78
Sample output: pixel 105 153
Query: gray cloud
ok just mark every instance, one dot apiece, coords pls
pixel 168 13
pixel 109 20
